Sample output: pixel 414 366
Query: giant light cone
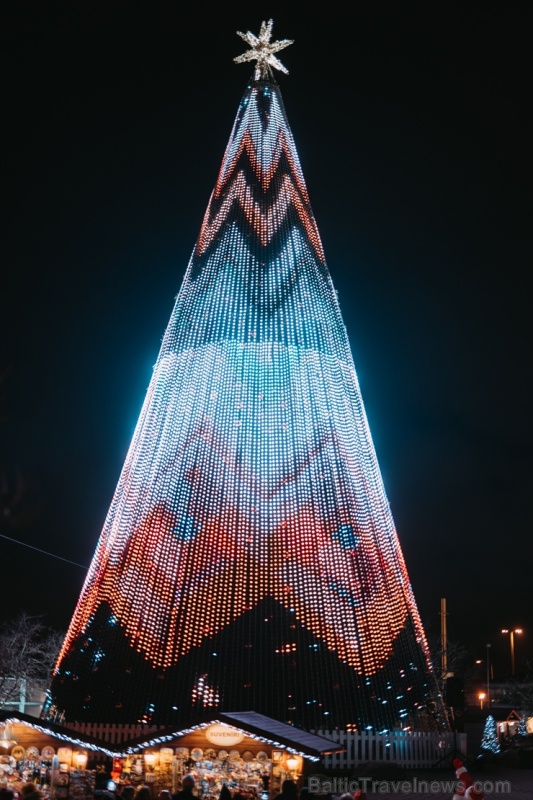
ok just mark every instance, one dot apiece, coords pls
pixel 249 559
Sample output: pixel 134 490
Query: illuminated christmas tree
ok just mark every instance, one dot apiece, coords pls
pixel 249 559
pixel 489 740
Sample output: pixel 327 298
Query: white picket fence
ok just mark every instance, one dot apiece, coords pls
pixel 412 750
pixel 111 733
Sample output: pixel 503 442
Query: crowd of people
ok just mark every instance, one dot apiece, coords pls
pixel 28 791
pixel 112 791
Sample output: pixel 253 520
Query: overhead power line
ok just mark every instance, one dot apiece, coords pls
pixel 46 553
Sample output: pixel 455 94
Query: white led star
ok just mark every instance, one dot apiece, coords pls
pixel 263 51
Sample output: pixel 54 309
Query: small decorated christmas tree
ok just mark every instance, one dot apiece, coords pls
pixel 522 726
pixel 489 741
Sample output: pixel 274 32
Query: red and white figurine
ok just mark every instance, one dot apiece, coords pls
pixel 466 788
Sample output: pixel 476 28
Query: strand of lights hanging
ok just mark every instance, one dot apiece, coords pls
pixel 154 741
pixel 61 736
pixel 171 736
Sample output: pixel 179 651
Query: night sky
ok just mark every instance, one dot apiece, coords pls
pixel 411 122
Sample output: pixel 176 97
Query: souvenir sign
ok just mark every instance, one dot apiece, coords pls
pixel 223 735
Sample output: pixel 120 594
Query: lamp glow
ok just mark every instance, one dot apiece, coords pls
pixel 292 763
pixel 512 644
pixel 7 737
pixel 80 760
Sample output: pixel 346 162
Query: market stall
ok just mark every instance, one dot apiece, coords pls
pixel 248 752
pixel 60 763
pixel 214 755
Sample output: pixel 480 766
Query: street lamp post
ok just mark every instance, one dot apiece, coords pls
pixel 511 640
pixel 488 676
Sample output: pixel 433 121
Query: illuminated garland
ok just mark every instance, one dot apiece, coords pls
pixel 156 740
pixel 168 737
pixel 61 736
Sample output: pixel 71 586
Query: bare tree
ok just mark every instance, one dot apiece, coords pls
pixel 28 650
pixel 520 692
pixel 458 660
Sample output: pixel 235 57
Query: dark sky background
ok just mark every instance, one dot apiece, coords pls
pixel 411 121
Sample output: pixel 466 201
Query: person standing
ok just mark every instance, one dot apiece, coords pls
pixel 289 791
pixel 186 791
pixel 127 792
pixel 29 791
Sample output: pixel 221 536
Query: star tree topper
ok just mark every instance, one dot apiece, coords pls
pixel 263 51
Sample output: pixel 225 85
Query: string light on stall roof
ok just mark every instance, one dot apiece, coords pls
pixel 63 737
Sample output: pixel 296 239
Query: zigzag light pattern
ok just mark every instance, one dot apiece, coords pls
pixel 252 474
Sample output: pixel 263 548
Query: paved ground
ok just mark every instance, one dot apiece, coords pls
pixel 497 784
